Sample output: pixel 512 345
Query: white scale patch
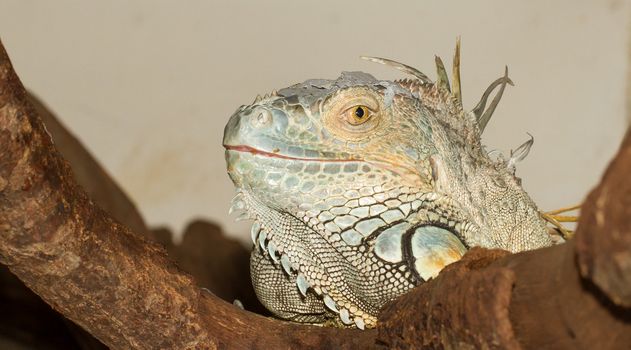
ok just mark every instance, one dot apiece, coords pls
pixel 434 248
pixel 360 212
pixel 352 237
pixel 367 227
pixel 377 209
pixel 388 245
pixel 345 221
pixel 391 216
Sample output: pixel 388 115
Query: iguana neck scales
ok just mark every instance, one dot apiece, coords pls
pixel 361 189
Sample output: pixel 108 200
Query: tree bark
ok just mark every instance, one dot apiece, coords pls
pixel 125 291
pixel 117 285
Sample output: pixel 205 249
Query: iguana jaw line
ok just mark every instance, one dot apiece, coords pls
pixel 249 149
pixel 397 168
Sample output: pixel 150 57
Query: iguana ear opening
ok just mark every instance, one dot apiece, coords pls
pixel 483 115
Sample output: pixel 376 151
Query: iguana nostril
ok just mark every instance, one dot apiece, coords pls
pixel 261 118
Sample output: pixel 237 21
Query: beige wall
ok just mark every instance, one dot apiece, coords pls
pixel 148 85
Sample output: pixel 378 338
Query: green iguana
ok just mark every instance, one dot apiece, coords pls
pixel 361 189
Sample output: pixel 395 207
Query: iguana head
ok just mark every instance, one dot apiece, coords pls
pixel 309 141
pixel 385 179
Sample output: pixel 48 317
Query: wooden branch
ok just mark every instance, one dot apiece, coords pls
pixel 115 284
pixel 604 242
pixel 126 292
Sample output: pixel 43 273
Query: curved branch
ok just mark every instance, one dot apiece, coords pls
pixel 115 284
pixel 126 292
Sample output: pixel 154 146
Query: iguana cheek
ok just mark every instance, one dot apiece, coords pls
pixel 405 174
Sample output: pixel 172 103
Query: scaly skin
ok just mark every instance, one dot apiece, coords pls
pixel 353 208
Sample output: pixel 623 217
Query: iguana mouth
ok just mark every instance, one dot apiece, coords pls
pixel 402 170
pixel 252 150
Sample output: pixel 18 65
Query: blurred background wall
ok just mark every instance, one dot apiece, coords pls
pixel 148 85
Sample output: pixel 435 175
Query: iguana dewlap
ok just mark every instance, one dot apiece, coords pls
pixel 361 189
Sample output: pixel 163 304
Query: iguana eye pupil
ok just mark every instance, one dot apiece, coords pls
pixel 359 112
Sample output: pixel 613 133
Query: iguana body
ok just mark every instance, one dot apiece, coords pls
pixel 362 189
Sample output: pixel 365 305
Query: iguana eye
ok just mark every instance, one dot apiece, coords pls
pixel 358 114
pixel 351 114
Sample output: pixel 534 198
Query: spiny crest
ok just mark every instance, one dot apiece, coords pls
pixel 483 115
pixel 258 98
pixel 452 93
pixel 410 84
pixel 442 80
pixel 400 66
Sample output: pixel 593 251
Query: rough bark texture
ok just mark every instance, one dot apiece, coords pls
pixel 605 258
pixel 217 262
pixel 124 290
pixel 26 322
pixel 465 308
pixel 117 285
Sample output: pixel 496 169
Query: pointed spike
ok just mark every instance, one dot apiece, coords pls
pixel 262 238
pixel 238 303
pixel 254 231
pixel 442 79
pixel 285 263
pixel 271 249
pixel 400 66
pixel 479 108
pixel 359 322
pixel 456 92
pixel 484 119
pixel 483 116
pixel 237 197
pixel 328 301
pixel 492 152
pixel 521 152
pixel 345 317
pixel 274 93
pixel 236 205
pixel 243 216
pixel 302 283
pixel 257 99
